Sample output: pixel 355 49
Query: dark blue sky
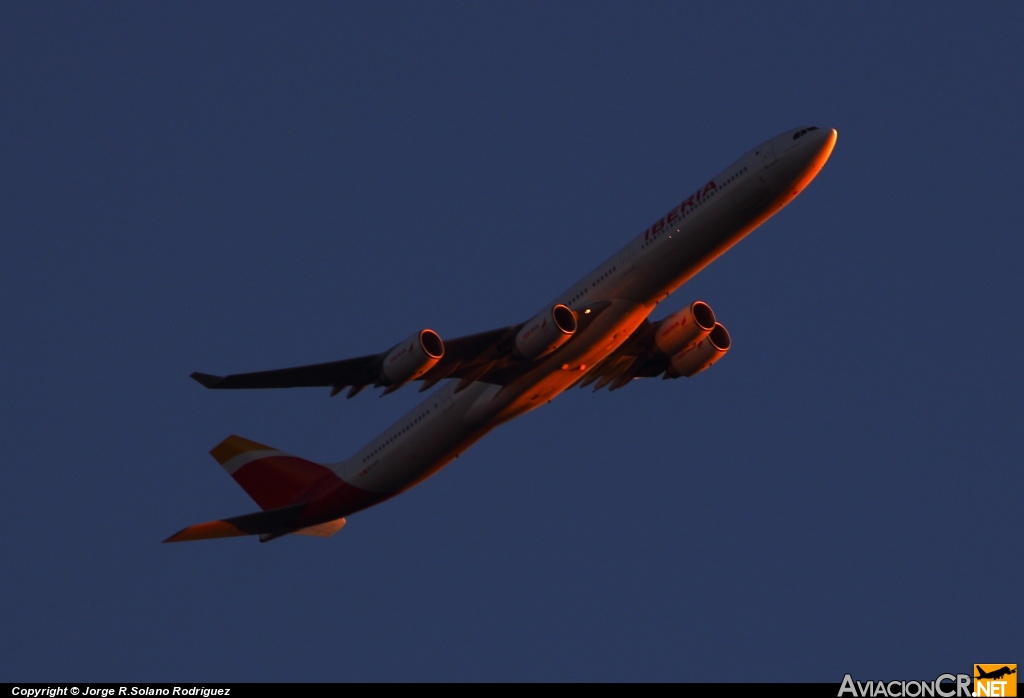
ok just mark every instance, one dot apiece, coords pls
pixel 241 186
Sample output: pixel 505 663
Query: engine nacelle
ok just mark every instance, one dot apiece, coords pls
pixel 681 329
pixel 410 359
pixel 700 354
pixel 546 332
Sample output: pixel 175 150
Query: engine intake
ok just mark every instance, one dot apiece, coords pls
pixel 700 354
pixel 683 328
pixel 410 359
pixel 545 332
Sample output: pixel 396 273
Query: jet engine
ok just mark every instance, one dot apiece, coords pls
pixel 700 354
pixel 682 328
pixel 410 359
pixel 545 332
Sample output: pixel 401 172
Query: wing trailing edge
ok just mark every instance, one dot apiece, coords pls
pixel 486 356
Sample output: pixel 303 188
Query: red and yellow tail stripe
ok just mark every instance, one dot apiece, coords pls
pixel 296 495
pixel 272 478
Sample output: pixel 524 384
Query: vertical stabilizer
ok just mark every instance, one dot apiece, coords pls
pixel 272 478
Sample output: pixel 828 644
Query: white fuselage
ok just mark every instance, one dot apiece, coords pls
pixel 634 280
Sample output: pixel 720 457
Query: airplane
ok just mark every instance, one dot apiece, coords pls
pixel 995 673
pixel 596 332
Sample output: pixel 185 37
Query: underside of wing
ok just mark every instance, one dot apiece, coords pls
pixel 633 359
pixel 419 358
pixel 350 372
pixel 683 344
pixel 496 356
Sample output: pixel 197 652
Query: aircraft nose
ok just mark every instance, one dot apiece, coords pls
pixel 826 142
pixel 815 147
pixel 812 154
pixel 826 139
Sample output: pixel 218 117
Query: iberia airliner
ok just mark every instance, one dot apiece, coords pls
pixel 595 332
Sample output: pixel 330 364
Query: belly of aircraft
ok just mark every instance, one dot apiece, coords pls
pixel 463 418
pixel 570 363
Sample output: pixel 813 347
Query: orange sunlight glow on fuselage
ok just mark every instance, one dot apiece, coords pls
pixel 603 336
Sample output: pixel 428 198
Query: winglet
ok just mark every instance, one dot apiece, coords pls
pixel 207 380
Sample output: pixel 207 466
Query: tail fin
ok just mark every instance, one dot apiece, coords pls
pixel 280 483
pixel 272 478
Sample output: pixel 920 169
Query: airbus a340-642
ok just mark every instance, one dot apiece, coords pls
pixel 595 332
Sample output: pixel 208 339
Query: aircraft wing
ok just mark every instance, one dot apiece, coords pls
pixel 350 371
pixel 461 357
pixel 487 356
pixel 683 344
pixel 635 358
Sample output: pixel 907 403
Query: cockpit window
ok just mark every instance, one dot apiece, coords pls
pixel 803 131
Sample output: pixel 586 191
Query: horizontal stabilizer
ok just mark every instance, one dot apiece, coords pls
pixel 278 521
pixel 205 531
pixel 324 530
